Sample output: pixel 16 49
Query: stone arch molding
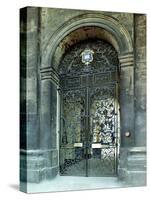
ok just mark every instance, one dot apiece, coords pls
pixel 48 73
pixel 125 50
pixel 108 23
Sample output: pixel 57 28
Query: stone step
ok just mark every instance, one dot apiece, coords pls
pixel 136 164
pixel 136 160
pixel 136 178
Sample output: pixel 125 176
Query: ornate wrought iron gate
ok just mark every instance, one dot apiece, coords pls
pixel 90 113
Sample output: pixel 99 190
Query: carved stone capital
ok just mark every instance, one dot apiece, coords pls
pixel 126 60
pixel 49 73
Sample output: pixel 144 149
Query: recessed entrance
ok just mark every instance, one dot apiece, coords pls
pixel 89 116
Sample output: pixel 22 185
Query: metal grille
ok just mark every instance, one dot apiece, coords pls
pixel 73 132
pixel 89 112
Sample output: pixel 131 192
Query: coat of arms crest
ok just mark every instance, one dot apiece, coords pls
pixel 87 56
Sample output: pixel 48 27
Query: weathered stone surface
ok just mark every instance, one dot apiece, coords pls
pixel 51 19
pixel 141 40
pixel 127 80
pixel 127 19
pixel 140 80
pixel 140 128
pixel 48 114
pixel 132 168
pixel 127 120
pixel 39 97
pixel 35 170
pixel 140 20
pixel 140 54
pixel 29 78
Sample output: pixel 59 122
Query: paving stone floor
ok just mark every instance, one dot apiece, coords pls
pixel 69 183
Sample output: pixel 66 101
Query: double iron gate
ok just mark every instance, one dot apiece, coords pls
pixel 89 139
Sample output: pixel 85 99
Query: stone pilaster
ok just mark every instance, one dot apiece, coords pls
pixel 127 98
pixel 48 122
pixel 29 92
pixel 140 80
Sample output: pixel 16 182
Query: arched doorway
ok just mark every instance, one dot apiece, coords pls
pixel 84 28
pixel 89 136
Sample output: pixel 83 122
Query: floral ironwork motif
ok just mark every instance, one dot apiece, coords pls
pixel 105 58
pixel 103 120
pixel 73 108
pixel 89 110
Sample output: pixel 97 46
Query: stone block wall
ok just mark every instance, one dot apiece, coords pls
pixel 29 78
pixel 38 101
pixel 132 164
pixel 29 92
pixel 38 92
pixel 140 79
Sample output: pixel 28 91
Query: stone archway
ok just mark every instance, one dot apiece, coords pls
pixel 110 25
pixel 46 35
pixel 108 29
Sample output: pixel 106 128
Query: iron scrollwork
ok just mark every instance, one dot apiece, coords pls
pixel 105 59
pixel 103 120
pixel 89 111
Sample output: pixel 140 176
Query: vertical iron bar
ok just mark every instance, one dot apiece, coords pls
pixel 118 128
pixel 115 146
pixel 87 124
pixel 86 146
